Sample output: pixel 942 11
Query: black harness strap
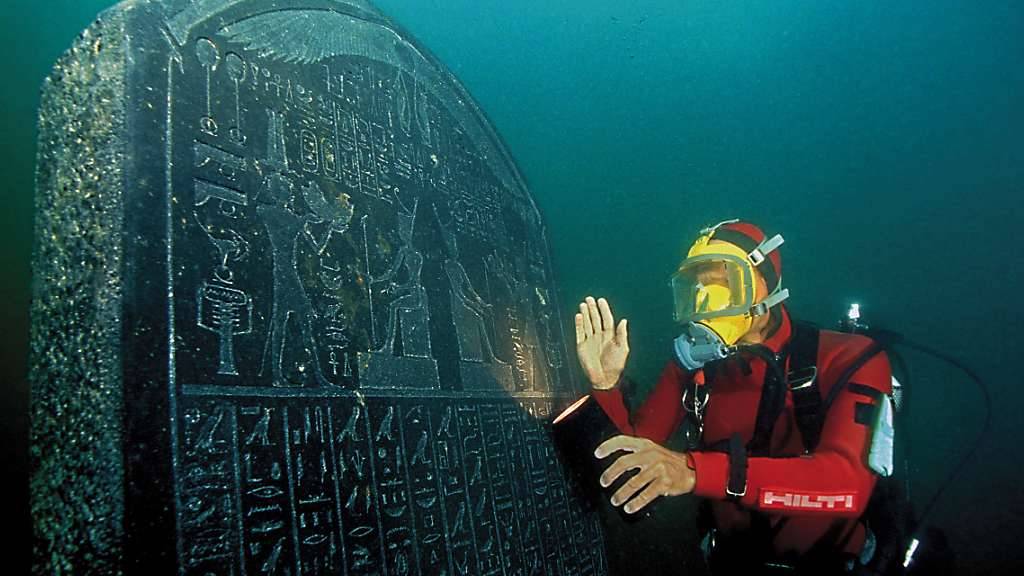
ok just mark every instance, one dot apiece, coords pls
pixel 773 400
pixel 803 382
pixel 809 407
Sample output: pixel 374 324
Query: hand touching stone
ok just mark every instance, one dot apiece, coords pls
pixel 602 347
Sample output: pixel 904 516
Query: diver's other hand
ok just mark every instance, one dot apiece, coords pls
pixel 660 471
pixel 601 346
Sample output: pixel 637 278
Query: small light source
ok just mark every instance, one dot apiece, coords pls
pixel 854 313
pixel 910 552
pixel 565 413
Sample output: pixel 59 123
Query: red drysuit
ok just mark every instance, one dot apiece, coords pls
pixel 821 494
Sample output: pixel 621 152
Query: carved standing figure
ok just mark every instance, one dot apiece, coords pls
pixel 283 229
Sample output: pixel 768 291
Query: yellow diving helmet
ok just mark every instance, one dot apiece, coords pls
pixel 714 287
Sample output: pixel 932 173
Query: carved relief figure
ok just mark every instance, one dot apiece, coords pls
pixel 469 310
pixel 283 229
pixel 407 313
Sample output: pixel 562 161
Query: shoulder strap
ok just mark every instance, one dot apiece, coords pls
pixel 773 401
pixel 809 407
pixel 803 383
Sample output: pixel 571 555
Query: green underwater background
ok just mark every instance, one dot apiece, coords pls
pixel 883 139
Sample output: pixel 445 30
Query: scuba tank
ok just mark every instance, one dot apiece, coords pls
pixel 881 452
pixel 921 548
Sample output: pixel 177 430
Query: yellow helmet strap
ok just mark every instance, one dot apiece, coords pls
pixel 776 297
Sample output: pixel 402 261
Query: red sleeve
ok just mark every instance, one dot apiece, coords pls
pixel 834 480
pixel 661 413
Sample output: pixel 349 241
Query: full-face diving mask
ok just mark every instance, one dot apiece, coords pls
pixel 714 293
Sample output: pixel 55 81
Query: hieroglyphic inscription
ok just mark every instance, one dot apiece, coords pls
pixel 478 490
pixel 528 514
pixel 361 523
pixel 496 455
pixel 393 491
pixel 426 491
pixel 312 489
pixel 269 542
pixel 320 486
pixel 546 492
pixel 208 482
pixel 462 543
pixel 366 342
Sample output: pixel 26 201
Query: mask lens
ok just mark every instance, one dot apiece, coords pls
pixel 709 287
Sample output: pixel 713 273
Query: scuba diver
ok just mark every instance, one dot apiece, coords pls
pixel 789 427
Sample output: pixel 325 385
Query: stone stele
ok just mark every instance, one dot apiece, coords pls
pixel 293 310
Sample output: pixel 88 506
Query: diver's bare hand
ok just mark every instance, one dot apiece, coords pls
pixel 601 346
pixel 660 471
